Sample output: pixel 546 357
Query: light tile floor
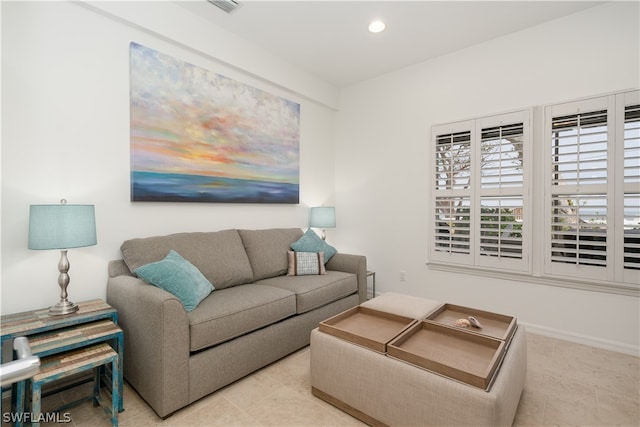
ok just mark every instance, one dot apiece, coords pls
pixel 567 384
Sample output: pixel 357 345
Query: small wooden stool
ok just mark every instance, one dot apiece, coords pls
pixel 62 365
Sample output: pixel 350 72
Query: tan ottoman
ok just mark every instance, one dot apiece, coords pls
pixel 402 305
pixel 380 390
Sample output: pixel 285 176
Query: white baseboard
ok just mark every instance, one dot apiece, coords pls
pixel 583 339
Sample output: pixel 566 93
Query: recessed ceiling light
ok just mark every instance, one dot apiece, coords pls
pixel 376 26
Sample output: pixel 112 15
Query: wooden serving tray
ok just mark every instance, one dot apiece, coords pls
pixel 470 358
pixel 493 325
pixel 366 327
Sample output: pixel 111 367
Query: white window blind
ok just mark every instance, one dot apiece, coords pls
pixel 578 205
pixel 453 225
pixel 452 195
pixel 632 144
pixel 502 180
pixel 479 202
pixel 502 154
pixel 631 185
pixel 501 227
pixel 579 188
pixel 631 232
pixel 453 161
pixel 593 190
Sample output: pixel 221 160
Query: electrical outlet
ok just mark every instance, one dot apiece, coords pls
pixel 403 276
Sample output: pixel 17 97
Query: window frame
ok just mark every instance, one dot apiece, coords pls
pixel 632 187
pixel 613 274
pixel 583 270
pixel 521 264
pixel 474 193
pixel 453 257
pixel 537 195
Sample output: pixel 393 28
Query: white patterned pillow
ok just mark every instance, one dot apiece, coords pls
pixel 305 263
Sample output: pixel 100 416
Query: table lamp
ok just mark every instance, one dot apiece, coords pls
pixel 323 217
pixel 62 227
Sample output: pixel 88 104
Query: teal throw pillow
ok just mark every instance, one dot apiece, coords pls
pixel 311 242
pixel 178 276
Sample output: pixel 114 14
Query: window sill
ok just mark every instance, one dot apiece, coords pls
pixel 585 285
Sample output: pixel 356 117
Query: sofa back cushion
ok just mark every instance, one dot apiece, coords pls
pixel 267 250
pixel 219 255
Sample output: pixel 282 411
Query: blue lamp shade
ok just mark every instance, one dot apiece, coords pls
pixel 61 226
pixel 323 217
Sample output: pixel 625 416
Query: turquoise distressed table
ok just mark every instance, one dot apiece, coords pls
pixel 57 334
pixel 61 365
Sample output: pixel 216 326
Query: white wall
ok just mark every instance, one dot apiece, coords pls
pixel 65 133
pixel 382 158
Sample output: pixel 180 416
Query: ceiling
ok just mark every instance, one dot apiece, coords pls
pixel 330 40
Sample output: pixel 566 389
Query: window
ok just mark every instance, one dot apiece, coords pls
pixel 630 213
pixel 453 193
pixel 577 223
pixel 579 189
pixel 502 183
pixel 593 175
pixel 479 199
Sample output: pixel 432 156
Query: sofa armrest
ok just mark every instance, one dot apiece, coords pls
pixel 356 264
pixel 118 268
pixel 156 335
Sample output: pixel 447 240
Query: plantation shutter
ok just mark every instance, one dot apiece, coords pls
pixel 579 147
pixel 581 210
pixel 501 168
pixel 579 188
pixel 501 191
pixel 453 225
pixel 451 201
pixel 478 202
pixel 631 185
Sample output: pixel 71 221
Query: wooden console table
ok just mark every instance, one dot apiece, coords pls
pixel 94 322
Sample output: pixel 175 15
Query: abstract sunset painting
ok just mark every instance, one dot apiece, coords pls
pixel 197 136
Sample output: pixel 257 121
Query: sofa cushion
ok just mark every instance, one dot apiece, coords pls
pixel 305 263
pixel 267 250
pixel 178 276
pixel 315 291
pixel 311 242
pixel 236 311
pixel 219 255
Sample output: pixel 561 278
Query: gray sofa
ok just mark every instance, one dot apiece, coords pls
pixel 255 316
